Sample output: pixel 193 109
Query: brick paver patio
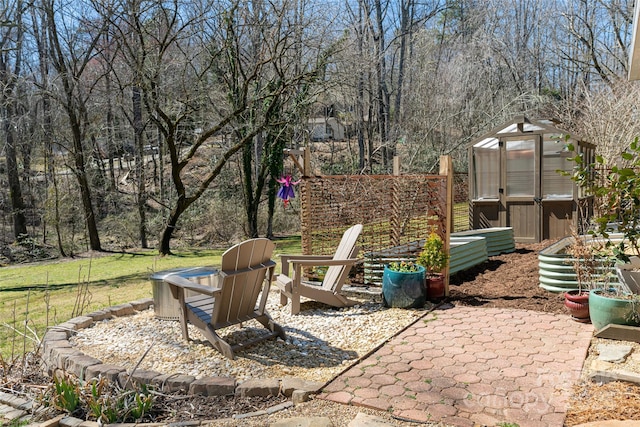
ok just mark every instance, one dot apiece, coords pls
pixel 467 366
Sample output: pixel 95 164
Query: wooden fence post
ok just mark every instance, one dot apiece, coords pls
pixel 446 168
pixel 305 199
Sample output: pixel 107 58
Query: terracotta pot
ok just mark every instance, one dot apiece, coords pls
pixel 435 287
pixel 578 305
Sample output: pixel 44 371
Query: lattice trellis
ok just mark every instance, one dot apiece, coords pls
pixel 394 210
pixel 461 220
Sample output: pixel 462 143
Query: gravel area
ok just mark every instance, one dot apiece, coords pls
pixel 339 415
pixel 321 342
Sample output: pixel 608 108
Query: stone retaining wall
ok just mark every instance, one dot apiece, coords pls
pixel 58 354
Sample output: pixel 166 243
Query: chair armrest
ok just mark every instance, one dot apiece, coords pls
pixel 181 282
pixel 325 262
pixel 288 258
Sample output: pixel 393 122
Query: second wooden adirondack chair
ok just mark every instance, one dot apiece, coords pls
pixel 292 287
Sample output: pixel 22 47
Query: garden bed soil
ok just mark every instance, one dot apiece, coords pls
pixel 506 281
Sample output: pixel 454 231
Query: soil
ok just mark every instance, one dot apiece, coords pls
pixel 505 281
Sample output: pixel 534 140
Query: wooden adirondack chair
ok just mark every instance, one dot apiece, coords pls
pixel 247 269
pixel 328 292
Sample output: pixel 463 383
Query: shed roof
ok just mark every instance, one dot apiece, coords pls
pixel 520 125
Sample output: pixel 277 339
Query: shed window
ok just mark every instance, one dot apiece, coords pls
pixel 554 158
pixel 486 162
pixel 520 168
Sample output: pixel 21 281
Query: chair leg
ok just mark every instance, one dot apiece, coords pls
pixel 221 345
pixel 295 303
pixel 283 299
pixel 271 325
pixel 183 318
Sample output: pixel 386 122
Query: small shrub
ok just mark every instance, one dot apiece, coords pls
pixel 66 393
pixel 616 192
pixel 433 256
pixel 99 400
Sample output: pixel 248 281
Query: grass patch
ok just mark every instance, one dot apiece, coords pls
pixel 35 296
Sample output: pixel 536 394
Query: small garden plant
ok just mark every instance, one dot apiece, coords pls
pixel 433 256
pixel 615 189
pixel 98 400
pixel 592 262
pixel 404 266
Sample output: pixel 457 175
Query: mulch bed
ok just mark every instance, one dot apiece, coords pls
pixel 506 281
pixel 600 402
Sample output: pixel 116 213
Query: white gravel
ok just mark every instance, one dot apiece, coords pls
pixel 321 342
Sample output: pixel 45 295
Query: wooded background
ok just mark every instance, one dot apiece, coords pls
pixel 129 123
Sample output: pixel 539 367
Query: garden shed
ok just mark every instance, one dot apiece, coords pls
pixel 514 180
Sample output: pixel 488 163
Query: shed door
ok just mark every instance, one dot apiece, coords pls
pixel 520 189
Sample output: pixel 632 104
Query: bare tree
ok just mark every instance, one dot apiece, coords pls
pixel 71 54
pixel 127 43
pixel 597 35
pixel 605 116
pixel 268 40
pixel 41 80
pixel 196 70
pixel 11 37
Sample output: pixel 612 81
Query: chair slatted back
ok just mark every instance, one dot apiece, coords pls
pixel 244 269
pixel 347 249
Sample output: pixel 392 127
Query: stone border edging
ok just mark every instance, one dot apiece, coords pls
pixel 58 354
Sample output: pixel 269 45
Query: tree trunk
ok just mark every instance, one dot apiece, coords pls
pixel 77 115
pixel 87 205
pixel 406 6
pixel 49 158
pixel 111 149
pixel 13 177
pixel 83 183
pixel 11 53
pixel 272 190
pixel 382 90
pixel 165 240
pixel 360 95
pixel 251 206
pixel 141 177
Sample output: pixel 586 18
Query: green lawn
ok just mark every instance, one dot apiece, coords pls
pixel 35 296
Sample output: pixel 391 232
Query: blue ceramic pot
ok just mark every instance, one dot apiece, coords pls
pixel 403 290
pixel 605 310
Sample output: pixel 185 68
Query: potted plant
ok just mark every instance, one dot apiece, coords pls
pixel 616 197
pixel 592 270
pixel 434 259
pixel 403 285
